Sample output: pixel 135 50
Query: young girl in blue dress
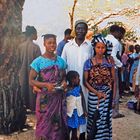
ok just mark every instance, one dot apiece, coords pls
pixel 76 108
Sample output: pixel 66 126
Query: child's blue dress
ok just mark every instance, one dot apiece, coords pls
pixel 75 120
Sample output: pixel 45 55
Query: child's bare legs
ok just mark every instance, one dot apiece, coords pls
pixel 74 133
pixel 82 136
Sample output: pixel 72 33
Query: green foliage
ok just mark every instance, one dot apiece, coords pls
pixel 105 32
pixel 131 35
pixel 131 13
pixel 116 23
pixel 95 29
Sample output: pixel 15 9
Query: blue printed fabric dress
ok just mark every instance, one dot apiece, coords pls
pixel 74 121
pixel 101 80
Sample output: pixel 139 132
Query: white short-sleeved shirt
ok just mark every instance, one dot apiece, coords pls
pixel 116 48
pixel 75 56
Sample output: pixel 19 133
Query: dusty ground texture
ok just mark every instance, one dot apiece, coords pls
pixel 127 128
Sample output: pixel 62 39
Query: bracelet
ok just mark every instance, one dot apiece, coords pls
pixel 44 88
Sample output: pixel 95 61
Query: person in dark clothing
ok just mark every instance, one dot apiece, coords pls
pixel 121 36
pixel 28 52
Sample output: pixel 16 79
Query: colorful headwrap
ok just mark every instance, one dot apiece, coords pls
pixel 100 38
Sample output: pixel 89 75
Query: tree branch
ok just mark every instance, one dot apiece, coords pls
pixel 121 12
pixel 72 14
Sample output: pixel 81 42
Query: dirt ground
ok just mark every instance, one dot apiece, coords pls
pixel 127 128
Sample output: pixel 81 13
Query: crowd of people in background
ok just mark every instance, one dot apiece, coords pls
pixel 78 83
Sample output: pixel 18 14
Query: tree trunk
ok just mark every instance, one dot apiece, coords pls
pixel 10 95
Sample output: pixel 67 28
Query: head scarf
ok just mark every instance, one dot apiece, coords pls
pixel 100 38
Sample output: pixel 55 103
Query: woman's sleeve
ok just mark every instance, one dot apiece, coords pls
pixel 64 64
pixel 35 65
pixel 87 65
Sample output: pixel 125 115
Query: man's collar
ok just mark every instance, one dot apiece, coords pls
pixel 84 42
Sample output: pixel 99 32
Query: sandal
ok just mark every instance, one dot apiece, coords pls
pixel 119 116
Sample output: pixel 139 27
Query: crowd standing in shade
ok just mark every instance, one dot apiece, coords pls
pixel 135 60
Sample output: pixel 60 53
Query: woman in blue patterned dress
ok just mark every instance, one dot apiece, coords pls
pixel 99 79
pixel 47 71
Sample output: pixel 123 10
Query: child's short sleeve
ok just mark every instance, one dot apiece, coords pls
pixel 87 65
pixel 35 65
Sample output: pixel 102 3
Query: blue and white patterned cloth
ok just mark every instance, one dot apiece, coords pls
pixel 74 121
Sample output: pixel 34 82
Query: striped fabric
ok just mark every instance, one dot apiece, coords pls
pixel 104 124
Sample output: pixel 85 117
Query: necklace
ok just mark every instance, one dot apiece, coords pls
pixel 98 60
pixel 52 57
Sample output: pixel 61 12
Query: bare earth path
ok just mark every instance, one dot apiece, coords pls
pixel 127 128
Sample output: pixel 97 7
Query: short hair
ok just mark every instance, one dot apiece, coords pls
pixel 30 30
pixel 131 47
pixel 71 75
pixel 67 31
pixel 47 36
pixel 137 46
pixel 122 30
pixel 114 28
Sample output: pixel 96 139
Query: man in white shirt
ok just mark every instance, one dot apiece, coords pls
pixel 75 53
pixel 114 37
